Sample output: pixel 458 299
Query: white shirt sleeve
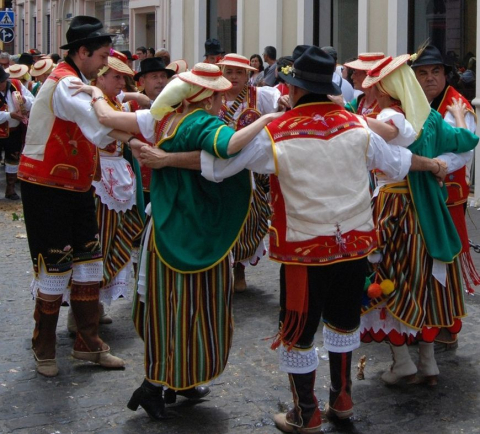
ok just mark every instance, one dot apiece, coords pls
pixel 457 161
pixel 406 134
pixel 146 124
pixel 257 156
pixel 393 160
pixel 78 109
pixel 267 99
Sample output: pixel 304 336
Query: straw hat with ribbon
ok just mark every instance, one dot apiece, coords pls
pixel 178 66
pixel 194 86
pixel 40 67
pixel 394 77
pixel 236 61
pixel 365 61
pixel 384 67
pixel 117 62
pixel 17 71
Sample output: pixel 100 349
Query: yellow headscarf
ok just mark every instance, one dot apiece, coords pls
pixel 402 85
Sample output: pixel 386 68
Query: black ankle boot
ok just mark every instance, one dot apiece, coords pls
pixel 193 394
pixel 150 398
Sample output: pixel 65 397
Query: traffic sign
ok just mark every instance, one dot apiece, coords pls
pixel 6 34
pixel 7 19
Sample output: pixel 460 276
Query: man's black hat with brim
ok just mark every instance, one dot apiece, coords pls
pixel 84 29
pixel 430 55
pixel 152 64
pixel 313 72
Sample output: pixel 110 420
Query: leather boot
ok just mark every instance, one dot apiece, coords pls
pixel 103 318
pixel 427 365
pixel 305 417
pixel 239 282
pixel 192 394
pixel 44 335
pixel 340 405
pixel 10 193
pixel 402 366
pixel 88 345
pixel 150 398
pixel 71 324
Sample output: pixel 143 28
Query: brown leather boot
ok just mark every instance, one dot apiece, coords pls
pixel 10 193
pixel 305 417
pixel 88 345
pixel 44 335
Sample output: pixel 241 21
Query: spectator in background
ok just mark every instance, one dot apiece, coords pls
pixel 151 52
pixel 164 55
pixel 256 76
pixel 270 57
pixel 141 52
pixel 213 51
pixel 4 60
pixel 466 84
pixel 347 89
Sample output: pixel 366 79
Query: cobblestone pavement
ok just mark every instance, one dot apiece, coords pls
pixel 87 399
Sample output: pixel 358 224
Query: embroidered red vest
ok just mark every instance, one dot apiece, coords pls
pixel 56 153
pixel 320 250
pixel 456 182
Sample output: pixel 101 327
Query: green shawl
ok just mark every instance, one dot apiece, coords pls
pixel 438 230
pixel 196 222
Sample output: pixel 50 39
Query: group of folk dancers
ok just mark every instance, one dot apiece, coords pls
pixel 208 126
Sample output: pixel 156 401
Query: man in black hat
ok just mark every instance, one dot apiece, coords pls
pixel 213 51
pixel 321 230
pixel 153 76
pixel 431 72
pixel 57 167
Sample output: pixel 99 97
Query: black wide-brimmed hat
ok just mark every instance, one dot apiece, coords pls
pixel 152 64
pixel 213 48
pixel 3 75
pixel 298 51
pixel 312 71
pixel 430 55
pixel 84 29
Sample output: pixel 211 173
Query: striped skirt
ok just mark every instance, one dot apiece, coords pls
pixel 118 231
pixel 185 321
pixel 419 306
pixel 256 226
